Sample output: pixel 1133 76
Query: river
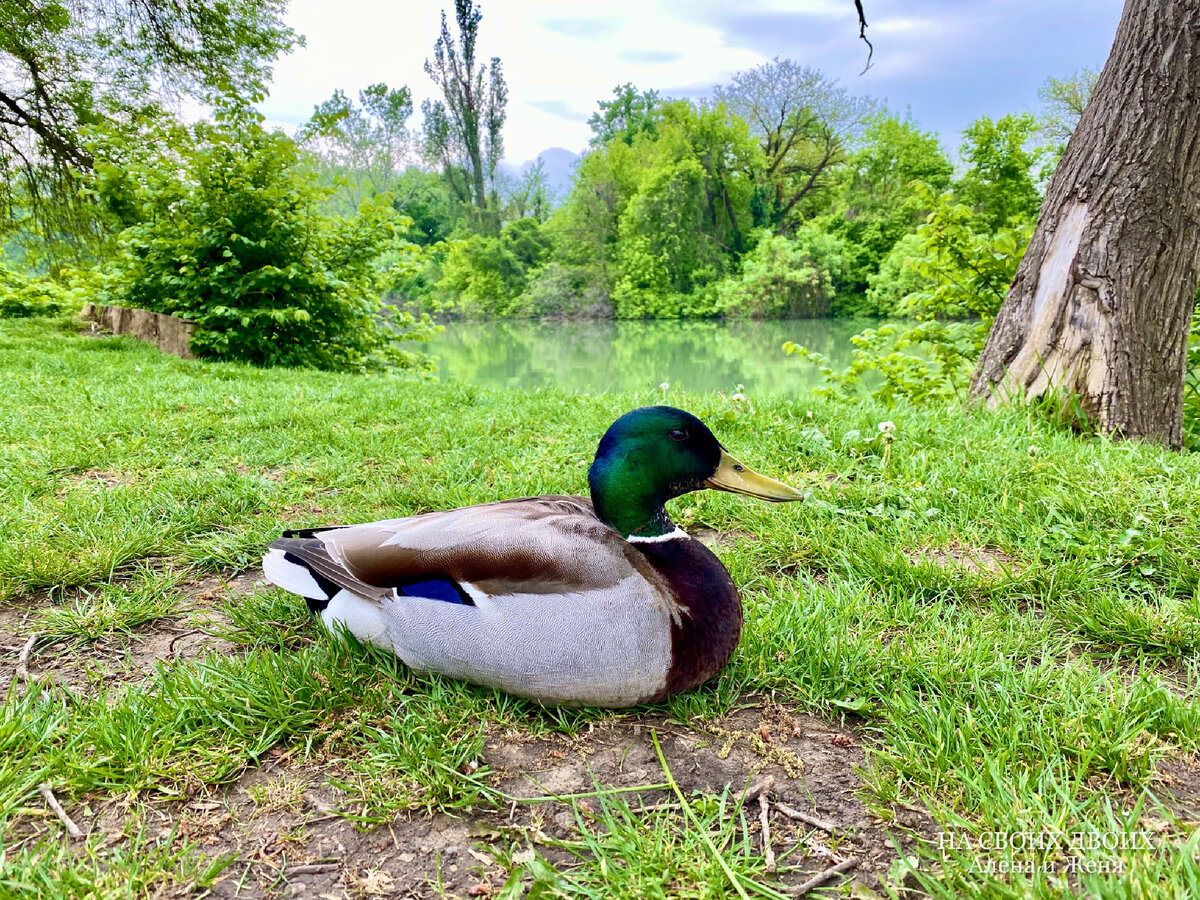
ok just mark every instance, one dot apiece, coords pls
pixel 618 356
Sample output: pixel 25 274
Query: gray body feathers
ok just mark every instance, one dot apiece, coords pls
pixel 561 608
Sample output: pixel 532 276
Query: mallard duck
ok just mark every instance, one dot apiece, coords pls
pixel 559 599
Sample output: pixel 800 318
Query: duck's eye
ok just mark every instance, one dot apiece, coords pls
pixel 679 434
pixel 738 467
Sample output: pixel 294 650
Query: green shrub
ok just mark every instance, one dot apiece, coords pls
pixel 965 275
pixel 22 296
pixel 895 280
pixel 486 276
pixel 482 277
pixel 790 278
pixel 233 239
pixel 558 289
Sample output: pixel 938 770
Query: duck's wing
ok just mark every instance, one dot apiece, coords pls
pixel 536 545
pixel 546 601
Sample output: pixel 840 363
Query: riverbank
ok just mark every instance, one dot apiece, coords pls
pixel 978 625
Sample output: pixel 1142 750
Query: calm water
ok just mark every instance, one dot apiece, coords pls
pixel 601 356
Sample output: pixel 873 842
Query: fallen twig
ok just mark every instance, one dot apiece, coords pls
pixel 759 788
pixel 827 827
pixel 22 670
pixel 768 852
pixel 656 807
pixel 56 807
pixel 311 869
pixel 174 654
pixel 821 877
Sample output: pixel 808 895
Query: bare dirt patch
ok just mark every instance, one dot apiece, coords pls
pixel 971 559
pixel 285 826
pixel 281 821
pixel 120 658
pixel 716 540
pixel 1179 786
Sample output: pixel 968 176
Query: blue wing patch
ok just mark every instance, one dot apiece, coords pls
pixel 436 589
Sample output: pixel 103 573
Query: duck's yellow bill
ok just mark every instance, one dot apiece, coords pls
pixel 732 476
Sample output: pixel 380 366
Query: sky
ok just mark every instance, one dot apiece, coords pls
pixel 946 61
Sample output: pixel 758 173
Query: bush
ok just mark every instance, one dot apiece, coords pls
pixel 965 275
pixel 557 289
pixel 233 239
pixel 895 280
pixel 21 296
pixel 482 277
pixel 486 276
pixel 784 277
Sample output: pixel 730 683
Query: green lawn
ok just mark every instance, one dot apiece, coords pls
pixel 1006 616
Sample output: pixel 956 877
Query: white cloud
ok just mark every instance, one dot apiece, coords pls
pixel 554 58
pixel 950 61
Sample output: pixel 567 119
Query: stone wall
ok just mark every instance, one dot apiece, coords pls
pixel 168 333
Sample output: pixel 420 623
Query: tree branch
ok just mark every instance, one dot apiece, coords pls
pixel 862 33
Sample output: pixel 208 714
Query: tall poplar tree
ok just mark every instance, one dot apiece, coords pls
pixel 463 131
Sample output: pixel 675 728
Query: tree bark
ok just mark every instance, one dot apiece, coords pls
pixel 1101 304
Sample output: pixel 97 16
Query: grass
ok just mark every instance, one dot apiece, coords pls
pixel 1041 693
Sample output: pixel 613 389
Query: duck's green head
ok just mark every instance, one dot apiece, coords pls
pixel 656 453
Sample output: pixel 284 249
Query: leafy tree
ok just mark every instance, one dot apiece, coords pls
pixel 363 147
pixel 429 202
pixel 998 183
pixel 805 122
pixel 659 260
pixel 626 116
pixel 876 202
pixel 528 242
pixel 233 240
pixel 586 223
pixel 1063 102
pixel 526 194
pixel 663 216
pixel 72 68
pixel 463 131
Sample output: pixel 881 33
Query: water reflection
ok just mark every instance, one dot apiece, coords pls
pixel 607 355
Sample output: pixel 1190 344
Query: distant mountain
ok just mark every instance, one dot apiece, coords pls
pixel 558 164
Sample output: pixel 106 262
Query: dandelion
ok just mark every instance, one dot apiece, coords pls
pixel 887 427
pixel 664 387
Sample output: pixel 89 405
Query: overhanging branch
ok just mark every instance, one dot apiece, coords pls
pixel 862 33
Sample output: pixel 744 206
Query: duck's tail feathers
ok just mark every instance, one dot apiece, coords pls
pixel 291 574
pixel 303 566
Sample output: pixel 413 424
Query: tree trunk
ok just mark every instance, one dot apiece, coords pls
pixel 1101 305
